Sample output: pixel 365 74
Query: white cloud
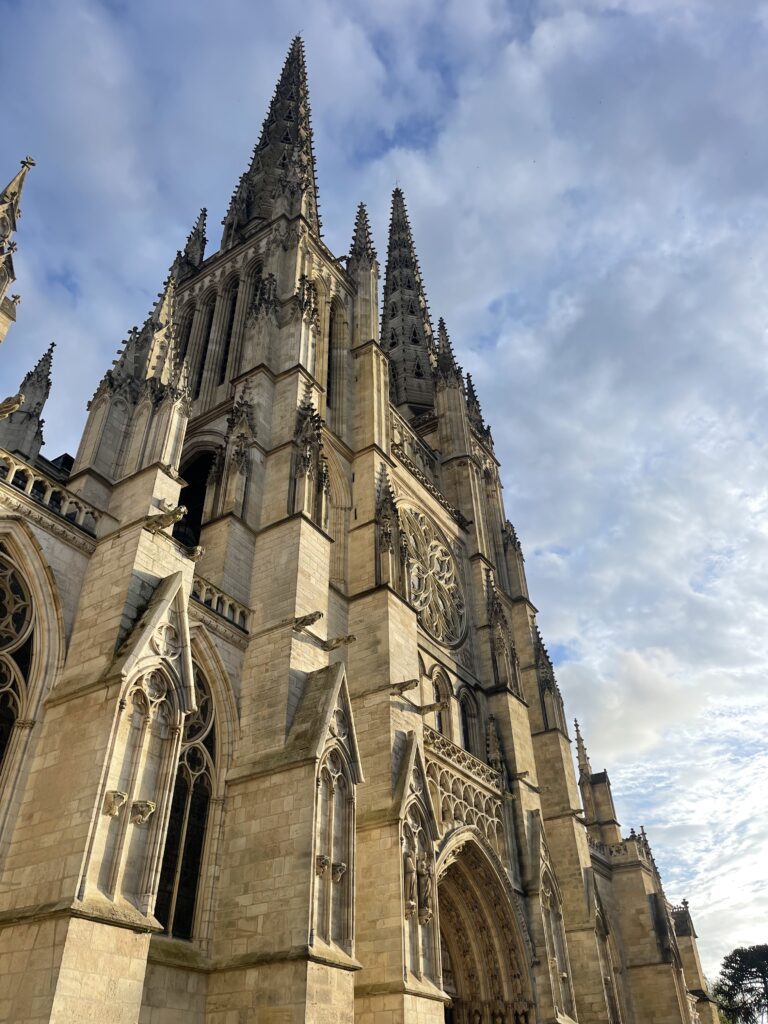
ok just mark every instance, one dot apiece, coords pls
pixel 586 185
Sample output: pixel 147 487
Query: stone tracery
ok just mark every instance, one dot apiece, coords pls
pixel 433 582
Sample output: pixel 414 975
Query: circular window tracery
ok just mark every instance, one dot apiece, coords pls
pixel 434 587
pixel 15 608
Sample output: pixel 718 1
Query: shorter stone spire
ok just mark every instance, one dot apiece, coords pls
pixel 22 430
pixel 362 251
pixel 585 768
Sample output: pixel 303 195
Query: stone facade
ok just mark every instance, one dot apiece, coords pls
pixel 280 740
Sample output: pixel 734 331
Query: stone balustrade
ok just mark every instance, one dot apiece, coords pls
pixel 634 848
pixel 205 593
pixel 16 473
pixel 464 790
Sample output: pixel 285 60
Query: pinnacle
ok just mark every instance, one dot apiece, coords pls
pixel 362 240
pixel 447 367
pixel 194 250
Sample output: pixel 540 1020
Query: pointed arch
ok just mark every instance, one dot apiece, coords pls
pixel 33 661
pixel 187 878
pixel 486 945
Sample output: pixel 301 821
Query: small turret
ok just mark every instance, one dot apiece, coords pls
pixel 22 431
pixel 596 796
pixel 281 177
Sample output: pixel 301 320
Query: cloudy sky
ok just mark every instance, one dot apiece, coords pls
pixel 586 181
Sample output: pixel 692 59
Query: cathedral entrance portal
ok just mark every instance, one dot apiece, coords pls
pixel 484 959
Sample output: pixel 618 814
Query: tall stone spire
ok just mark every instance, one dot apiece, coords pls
pixel 193 254
pixel 406 330
pixel 281 177
pixel 22 431
pixel 362 249
pixel 9 215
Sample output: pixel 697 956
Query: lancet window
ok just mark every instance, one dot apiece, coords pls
pixel 229 327
pixel 334 851
pixel 177 896
pixel 468 718
pixel 554 932
pixel 331 340
pixel 205 338
pixel 185 332
pixel 16 641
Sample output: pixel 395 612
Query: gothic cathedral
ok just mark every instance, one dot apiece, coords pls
pixel 280 740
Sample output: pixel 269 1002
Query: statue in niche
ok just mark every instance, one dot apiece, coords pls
pixel 426 884
pixel 409 871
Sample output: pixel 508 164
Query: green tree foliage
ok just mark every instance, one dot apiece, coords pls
pixel 742 988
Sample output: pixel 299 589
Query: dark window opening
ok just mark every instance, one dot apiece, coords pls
pixel 192 496
pixel 228 331
pixel 205 339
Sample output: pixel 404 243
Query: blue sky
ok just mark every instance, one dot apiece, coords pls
pixel 586 181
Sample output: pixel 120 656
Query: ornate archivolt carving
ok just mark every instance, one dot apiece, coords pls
pixel 432 578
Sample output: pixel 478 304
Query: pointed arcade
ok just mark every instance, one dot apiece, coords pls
pixel 406 331
pixel 281 177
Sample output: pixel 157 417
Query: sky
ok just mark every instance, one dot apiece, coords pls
pixel 586 182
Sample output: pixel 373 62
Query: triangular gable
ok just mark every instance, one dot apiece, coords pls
pixel 162 630
pixel 412 785
pixel 324 716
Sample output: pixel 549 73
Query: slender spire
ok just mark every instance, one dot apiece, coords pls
pixel 362 250
pixel 9 202
pixel 194 251
pixel 447 370
pixel 406 330
pixel 585 768
pixel 9 215
pixel 22 430
pixel 281 177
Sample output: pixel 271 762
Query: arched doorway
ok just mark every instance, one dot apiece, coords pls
pixel 485 952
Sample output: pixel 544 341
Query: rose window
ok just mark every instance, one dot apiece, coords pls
pixel 434 588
